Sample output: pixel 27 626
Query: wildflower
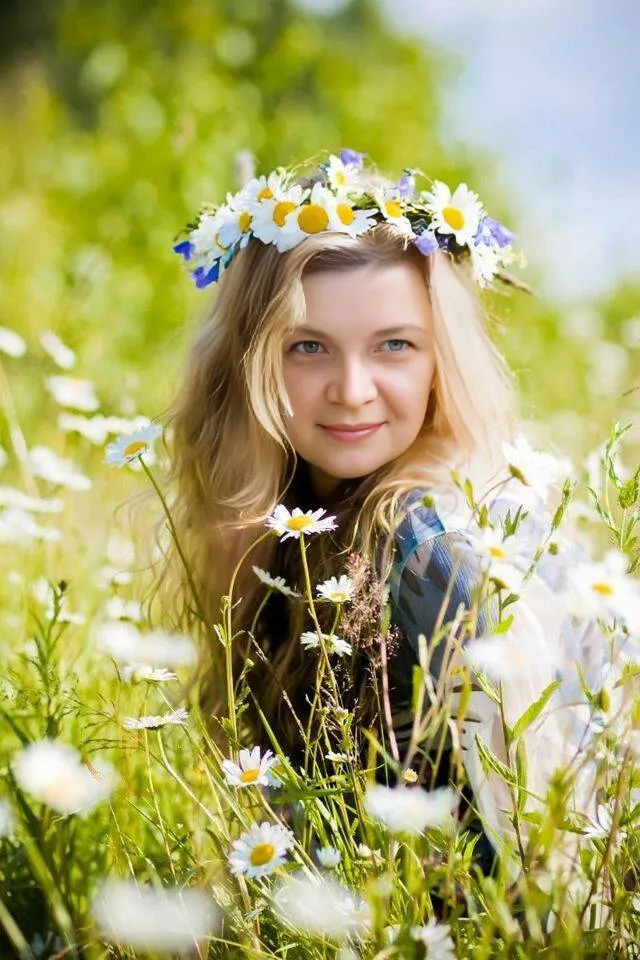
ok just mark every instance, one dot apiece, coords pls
pixel 457 214
pixel 12 343
pixel 506 657
pixel 275 772
pixel 127 645
pixel 426 242
pixel 74 393
pixel 341 174
pixel 296 523
pixel 260 850
pixel 154 723
pixel 338 591
pixel 410 809
pixel 319 906
pixel 172 920
pixel 59 352
pixel 95 429
pixel 6 820
pixel 534 469
pixel 390 207
pixel 271 212
pixel 601 825
pixel 53 772
pixel 274 583
pixel 352 158
pixel 602 589
pixel 368 854
pixel 334 644
pixel 118 609
pixel 15 498
pixel 336 757
pixel 437 939
pixel 328 857
pixel 485 263
pixel 18 526
pixel 132 446
pixel 251 770
pixel 46 464
pixel 135 672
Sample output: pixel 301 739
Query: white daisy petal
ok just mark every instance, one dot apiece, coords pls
pixel 260 850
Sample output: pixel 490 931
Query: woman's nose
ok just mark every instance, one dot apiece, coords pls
pixel 352 384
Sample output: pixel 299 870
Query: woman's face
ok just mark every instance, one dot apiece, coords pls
pixel 359 371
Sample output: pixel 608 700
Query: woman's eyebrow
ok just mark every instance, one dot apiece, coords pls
pixel 383 332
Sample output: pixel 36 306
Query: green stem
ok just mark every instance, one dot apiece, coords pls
pixel 14 933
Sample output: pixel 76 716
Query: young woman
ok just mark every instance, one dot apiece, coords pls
pixel 345 368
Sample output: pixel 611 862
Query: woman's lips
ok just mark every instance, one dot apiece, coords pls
pixel 349 434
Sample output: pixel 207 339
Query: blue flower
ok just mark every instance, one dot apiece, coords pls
pixel 204 278
pixel 407 185
pixel 493 233
pixel 351 158
pixel 184 249
pixel 426 242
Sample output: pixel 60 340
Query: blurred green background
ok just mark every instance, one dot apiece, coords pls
pixel 117 118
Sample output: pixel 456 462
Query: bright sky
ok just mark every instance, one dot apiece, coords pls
pixel 552 86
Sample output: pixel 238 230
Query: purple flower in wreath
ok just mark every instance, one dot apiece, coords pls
pixel 204 277
pixel 492 233
pixel 351 158
pixel 407 185
pixel 426 242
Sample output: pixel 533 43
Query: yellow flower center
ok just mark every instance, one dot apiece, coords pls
pixel 497 552
pixel 602 588
pixel 340 178
pixel 262 853
pixel 313 218
pixel 281 210
pixel 393 208
pixel 453 217
pixel 250 776
pixel 132 449
pixel 265 194
pixel 298 523
pixel 244 221
pixel 346 214
pixel 338 597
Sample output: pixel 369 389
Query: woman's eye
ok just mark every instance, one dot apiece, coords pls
pixel 396 346
pixel 308 347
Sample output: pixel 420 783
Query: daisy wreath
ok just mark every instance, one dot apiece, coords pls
pixel 283 209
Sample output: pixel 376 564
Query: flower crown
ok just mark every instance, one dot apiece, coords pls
pixel 281 210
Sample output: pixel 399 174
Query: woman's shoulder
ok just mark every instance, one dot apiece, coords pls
pixel 428 512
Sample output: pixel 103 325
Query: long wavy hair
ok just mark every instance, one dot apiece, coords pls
pixel 231 462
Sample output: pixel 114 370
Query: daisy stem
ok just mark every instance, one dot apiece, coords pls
pixel 314 616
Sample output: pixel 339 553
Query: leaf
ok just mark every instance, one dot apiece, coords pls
pixel 491 762
pixel 534 710
pixel 504 625
pixel 521 772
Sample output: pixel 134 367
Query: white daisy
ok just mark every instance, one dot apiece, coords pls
pixel 74 393
pixel 59 352
pixel 95 429
pixel 235 220
pixel 391 209
pixel 600 826
pixel 159 919
pixel 154 723
pixel 132 446
pixel 410 809
pixel 338 591
pixel 206 245
pixel 320 906
pixel 328 857
pixel 18 526
pixel 260 850
pixel 437 939
pixel 275 583
pixel 48 466
pixel 536 470
pixel 334 644
pixel 504 657
pixel 127 645
pixel 53 772
pixel 10 497
pixel 116 608
pixel 603 589
pixel 458 214
pixel 297 522
pixel 12 343
pixel 276 772
pixel 134 672
pixel 345 218
pixel 270 213
pixel 341 176
pixel 251 770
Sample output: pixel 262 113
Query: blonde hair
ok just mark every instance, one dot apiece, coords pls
pixel 232 462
